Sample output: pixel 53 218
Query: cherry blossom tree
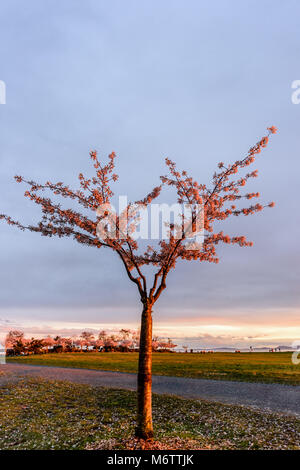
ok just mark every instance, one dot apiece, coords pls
pixel 126 344
pixel 35 346
pixel 218 201
pixel 98 343
pixel 48 342
pixel 82 343
pixel 102 335
pixel 87 336
pixel 126 341
pixel 15 341
pixel 13 337
pixel 111 342
pixel 66 344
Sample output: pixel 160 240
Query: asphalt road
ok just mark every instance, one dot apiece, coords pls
pixel 272 397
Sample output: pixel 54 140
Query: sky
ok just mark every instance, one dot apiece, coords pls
pixel 194 81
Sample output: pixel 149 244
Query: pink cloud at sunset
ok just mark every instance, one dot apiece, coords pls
pixel 212 330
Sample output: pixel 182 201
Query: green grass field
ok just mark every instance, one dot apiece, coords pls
pixel 39 414
pixel 249 367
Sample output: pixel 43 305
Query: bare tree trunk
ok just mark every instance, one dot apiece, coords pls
pixel 144 428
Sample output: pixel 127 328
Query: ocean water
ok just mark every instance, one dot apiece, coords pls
pixel 197 345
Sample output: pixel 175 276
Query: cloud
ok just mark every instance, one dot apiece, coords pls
pixel 164 83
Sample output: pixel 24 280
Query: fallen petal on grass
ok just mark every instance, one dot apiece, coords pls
pixel 43 414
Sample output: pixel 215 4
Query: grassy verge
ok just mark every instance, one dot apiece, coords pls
pixel 38 414
pixel 249 367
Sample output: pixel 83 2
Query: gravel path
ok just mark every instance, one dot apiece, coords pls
pixel 273 397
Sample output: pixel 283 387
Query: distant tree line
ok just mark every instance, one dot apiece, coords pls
pixel 124 341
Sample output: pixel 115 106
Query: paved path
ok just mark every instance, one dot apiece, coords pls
pixel 273 397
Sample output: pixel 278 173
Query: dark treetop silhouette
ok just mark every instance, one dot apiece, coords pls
pixel 217 202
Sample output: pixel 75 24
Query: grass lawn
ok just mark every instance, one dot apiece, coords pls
pixel 249 367
pixel 39 414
